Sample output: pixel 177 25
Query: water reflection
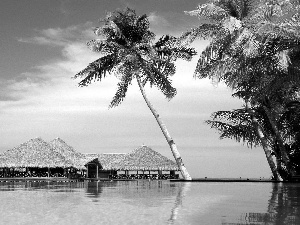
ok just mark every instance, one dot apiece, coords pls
pixel 141 192
pixel 161 201
pixel 283 207
pixel 94 189
pixel 183 189
pixel 41 185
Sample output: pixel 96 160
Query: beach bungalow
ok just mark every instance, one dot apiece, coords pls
pixel 37 158
pixel 77 159
pixel 99 165
pixel 34 158
pixel 145 163
pixel 141 163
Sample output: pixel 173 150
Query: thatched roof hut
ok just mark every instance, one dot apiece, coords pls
pixel 69 153
pixel 33 153
pixel 144 158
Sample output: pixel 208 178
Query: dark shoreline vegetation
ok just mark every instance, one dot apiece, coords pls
pixel 255 50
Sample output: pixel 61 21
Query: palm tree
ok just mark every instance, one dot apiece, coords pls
pixel 252 46
pixel 129 53
pixel 249 127
pixel 289 124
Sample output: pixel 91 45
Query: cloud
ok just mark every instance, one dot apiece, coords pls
pixel 61 36
pixel 157 20
pixel 54 75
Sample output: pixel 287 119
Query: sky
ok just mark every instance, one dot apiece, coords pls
pixel 43 45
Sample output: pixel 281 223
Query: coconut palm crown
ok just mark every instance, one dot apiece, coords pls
pixel 128 52
pixel 254 45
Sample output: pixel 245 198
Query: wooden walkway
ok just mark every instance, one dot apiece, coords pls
pixel 38 179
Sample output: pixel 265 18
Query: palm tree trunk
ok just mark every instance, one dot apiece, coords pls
pixel 284 156
pixel 167 135
pixel 263 141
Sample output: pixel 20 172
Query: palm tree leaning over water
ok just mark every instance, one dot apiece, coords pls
pixel 129 53
pixel 254 49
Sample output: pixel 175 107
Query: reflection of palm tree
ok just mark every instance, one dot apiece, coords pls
pixel 287 208
pixel 283 208
pixel 183 189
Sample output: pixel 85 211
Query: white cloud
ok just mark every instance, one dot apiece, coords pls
pixel 156 19
pixel 61 36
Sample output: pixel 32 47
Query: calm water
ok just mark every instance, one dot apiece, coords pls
pixel 144 202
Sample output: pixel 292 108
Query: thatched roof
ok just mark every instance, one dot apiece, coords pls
pixel 33 153
pixel 144 158
pixel 38 153
pixel 104 159
pixel 91 156
pixel 69 153
pixel 108 159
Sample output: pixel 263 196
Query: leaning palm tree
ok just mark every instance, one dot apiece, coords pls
pixel 128 52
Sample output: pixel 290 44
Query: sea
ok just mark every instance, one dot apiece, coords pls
pixel 149 202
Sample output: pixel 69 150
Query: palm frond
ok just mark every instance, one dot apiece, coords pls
pixel 238 9
pixel 240 133
pixel 160 78
pixel 103 46
pixel 237 125
pixel 204 31
pixel 121 90
pixel 171 48
pixel 97 70
pixel 210 12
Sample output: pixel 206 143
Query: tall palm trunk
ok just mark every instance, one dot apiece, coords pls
pixel 167 135
pixel 284 157
pixel 263 141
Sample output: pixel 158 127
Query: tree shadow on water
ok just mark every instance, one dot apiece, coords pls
pixel 283 207
pixel 183 189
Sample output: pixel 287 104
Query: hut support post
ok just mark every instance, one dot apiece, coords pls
pixel 97 172
pixel 48 171
pixel 172 174
pixel 87 171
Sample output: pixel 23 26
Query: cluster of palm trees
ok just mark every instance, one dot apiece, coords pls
pixel 254 48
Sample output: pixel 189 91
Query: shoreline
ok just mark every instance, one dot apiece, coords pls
pixel 46 179
pixel 225 180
